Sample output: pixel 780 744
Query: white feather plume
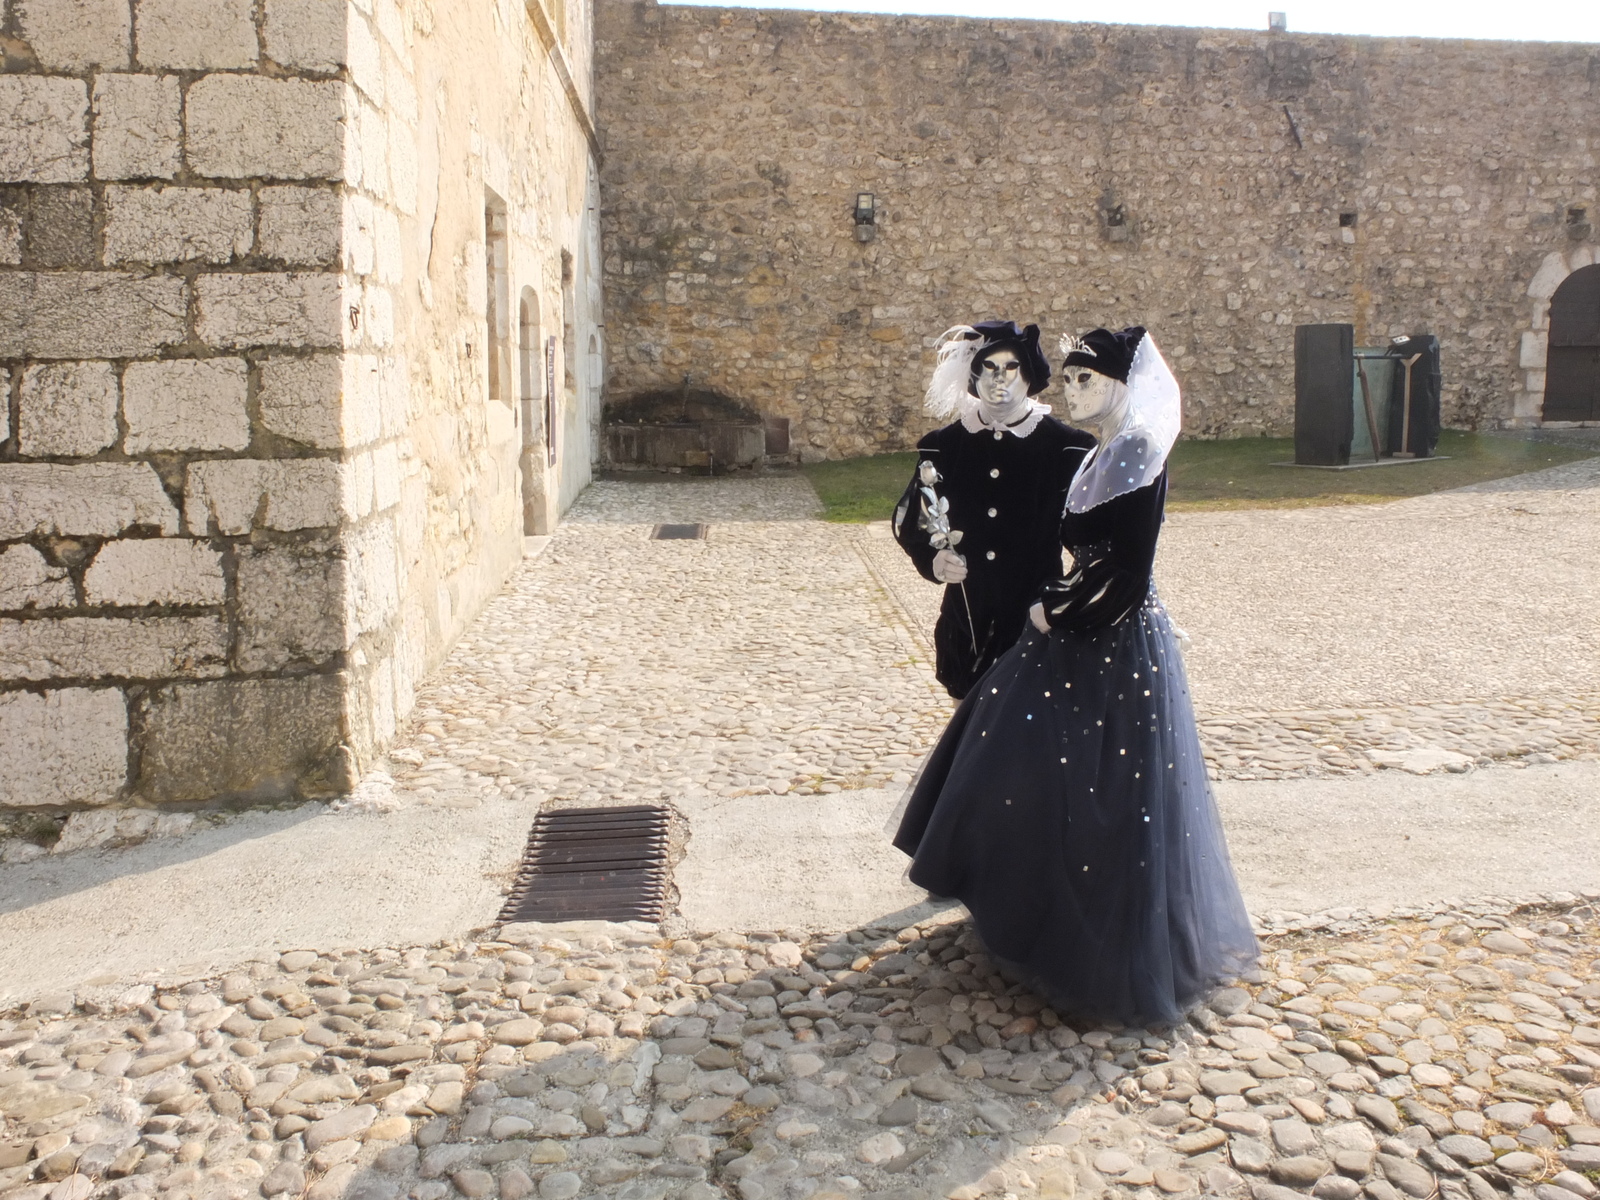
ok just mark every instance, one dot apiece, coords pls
pixel 947 393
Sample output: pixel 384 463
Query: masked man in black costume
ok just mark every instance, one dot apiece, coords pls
pixel 1004 468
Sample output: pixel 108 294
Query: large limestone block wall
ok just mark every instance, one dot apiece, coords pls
pixel 1219 186
pixel 252 482
pixel 176 483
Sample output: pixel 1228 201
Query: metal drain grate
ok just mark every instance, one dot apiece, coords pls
pixel 593 864
pixel 668 533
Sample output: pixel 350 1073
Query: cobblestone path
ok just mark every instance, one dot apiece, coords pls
pixel 1451 1055
pixel 785 655
pixel 1433 633
pixel 1414 1055
pixel 763 659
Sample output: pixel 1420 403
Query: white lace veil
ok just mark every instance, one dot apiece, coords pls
pixel 1134 454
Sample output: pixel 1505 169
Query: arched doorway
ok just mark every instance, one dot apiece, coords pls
pixel 1572 368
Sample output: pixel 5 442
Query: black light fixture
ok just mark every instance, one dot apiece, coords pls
pixel 866 217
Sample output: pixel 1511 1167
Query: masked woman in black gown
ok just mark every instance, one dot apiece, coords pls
pixel 1067 803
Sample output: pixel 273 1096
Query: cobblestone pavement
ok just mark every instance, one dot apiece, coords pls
pixel 1432 633
pixel 616 669
pixel 1402 1055
pixel 1450 1055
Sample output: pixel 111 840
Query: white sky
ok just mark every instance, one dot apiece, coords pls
pixel 1541 20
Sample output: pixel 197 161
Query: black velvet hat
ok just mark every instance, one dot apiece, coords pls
pixel 1109 353
pixel 1021 341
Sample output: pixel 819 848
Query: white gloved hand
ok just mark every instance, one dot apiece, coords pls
pixel 1036 615
pixel 949 567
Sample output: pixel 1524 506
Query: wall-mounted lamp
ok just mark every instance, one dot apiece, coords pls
pixel 1277 22
pixel 866 217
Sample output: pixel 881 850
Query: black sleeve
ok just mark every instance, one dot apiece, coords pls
pixel 1071 459
pixel 909 533
pixel 1112 579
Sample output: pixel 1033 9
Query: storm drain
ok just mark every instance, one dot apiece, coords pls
pixel 593 864
pixel 669 533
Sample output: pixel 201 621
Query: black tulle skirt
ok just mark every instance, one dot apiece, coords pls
pixel 1067 806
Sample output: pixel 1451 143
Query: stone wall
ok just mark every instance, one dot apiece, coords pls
pixel 498 115
pixel 1217 186
pixel 252 481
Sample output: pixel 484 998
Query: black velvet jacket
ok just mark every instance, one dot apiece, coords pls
pixel 1006 496
pixel 1113 551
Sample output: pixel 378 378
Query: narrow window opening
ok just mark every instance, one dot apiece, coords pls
pixel 1347 220
pixel 528 368
pixel 535 425
pixel 569 331
pixel 498 309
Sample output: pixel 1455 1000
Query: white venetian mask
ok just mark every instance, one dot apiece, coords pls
pixel 1091 396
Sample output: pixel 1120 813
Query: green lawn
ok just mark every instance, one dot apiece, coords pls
pixel 861 489
pixel 1236 473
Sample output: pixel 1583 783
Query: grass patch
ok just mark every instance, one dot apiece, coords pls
pixel 1238 472
pixel 1235 473
pixel 36 828
pixel 861 489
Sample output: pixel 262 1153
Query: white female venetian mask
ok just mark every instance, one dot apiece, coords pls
pixel 1135 423
pixel 1091 396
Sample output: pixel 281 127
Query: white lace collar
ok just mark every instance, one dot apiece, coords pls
pixel 972 421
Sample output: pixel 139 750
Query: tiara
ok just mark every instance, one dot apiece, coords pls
pixel 1071 344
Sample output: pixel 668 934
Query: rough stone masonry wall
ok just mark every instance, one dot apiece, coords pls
pixel 1075 174
pixel 246 491
pixel 470 106
pixel 489 115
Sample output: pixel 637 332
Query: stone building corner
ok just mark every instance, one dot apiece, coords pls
pixel 257 469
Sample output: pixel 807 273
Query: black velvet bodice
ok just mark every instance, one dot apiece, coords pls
pixel 1113 549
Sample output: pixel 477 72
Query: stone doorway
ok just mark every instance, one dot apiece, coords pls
pixel 1572 387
